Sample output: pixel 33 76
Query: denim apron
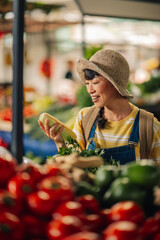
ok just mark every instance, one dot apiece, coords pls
pixel 122 154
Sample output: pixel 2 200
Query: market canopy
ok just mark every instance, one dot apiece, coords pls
pixel 6 6
pixel 45 20
pixel 134 9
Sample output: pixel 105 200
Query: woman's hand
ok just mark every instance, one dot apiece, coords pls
pixel 50 132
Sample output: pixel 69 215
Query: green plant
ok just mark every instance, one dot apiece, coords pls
pixel 83 97
pixel 92 50
pixel 150 86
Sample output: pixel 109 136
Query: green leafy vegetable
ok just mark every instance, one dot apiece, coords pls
pixel 73 146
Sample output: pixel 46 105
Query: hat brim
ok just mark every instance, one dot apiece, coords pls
pixel 83 63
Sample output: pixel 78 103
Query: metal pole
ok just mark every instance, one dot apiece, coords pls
pixel 17 90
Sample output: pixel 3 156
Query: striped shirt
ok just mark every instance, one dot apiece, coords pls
pixel 117 133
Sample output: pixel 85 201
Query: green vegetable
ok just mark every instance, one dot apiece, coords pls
pixel 64 133
pixel 72 146
pixel 62 113
pixel 122 189
pixel 83 188
pixel 90 152
pixel 145 173
pixel 105 176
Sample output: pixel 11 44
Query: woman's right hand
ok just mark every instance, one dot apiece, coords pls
pixel 50 132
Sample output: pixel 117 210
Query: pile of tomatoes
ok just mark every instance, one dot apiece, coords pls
pixel 40 203
pixel 6 114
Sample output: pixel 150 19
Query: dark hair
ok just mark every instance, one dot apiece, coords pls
pixel 90 74
pixel 100 120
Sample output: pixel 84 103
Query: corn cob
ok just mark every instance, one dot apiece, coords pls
pixel 66 133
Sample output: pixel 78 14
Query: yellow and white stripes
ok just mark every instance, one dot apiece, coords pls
pixel 117 134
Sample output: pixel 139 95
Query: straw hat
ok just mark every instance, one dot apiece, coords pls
pixel 109 64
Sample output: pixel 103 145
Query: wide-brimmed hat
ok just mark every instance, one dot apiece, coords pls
pixel 109 64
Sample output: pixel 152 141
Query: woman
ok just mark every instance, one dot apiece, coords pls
pixel 116 126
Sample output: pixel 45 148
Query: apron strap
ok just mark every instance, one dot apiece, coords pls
pixel 134 137
pixel 88 121
pixel 146 133
pixel 92 132
pixel 91 137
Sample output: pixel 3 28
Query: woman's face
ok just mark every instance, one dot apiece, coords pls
pixel 101 91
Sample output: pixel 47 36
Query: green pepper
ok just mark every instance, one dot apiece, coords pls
pixel 83 188
pixel 145 173
pixel 122 189
pixel 105 176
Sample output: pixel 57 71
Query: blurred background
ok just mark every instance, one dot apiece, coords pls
pixel 56 34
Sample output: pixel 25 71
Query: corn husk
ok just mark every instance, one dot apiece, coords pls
pixel 66 133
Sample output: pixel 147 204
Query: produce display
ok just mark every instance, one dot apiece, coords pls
pixel 6 114
pixel 36 144
pixel 63 200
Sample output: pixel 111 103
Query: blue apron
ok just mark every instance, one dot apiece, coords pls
pixel 122 154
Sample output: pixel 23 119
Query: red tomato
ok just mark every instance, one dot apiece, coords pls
pixel 157 237
pixel 10 203
pixel 3 143
pixel 105 215
pixel 67 225
pixel 28 111
pixel 11 227
pixel 41 203
pixel 127 210
pixel 92 222
pixel 68 208
pixel 89 202
pixel 122 230
pixel 83 236
pixel 6 114
pixel 52 170
pixel 7 169
pixel 60 188
pixel 21 185
pixel 35 227
pixel 151 227
pixel 33 171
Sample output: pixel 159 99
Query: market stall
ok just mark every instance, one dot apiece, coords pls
pixel 77 194
pixel 49 78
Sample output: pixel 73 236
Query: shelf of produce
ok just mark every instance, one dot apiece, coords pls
pixel 56 201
